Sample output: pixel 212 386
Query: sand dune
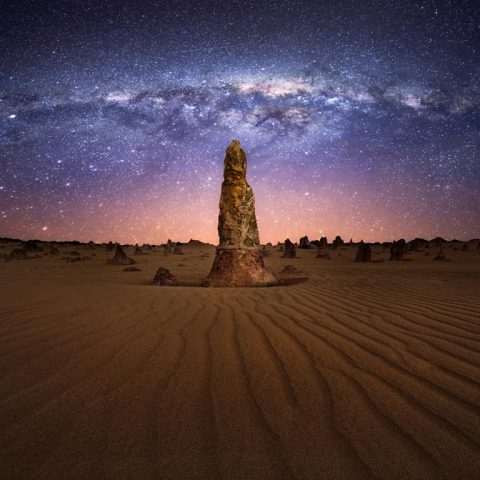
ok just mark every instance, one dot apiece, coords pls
pixel 362 371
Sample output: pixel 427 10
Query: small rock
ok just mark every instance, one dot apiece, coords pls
pixel 120 258
pixel 164 278
pixel 398 250
pixel 338 242
pixel 290 269
pixel 304 242
pixel 364 253
pixel 323 254
pixel 289 249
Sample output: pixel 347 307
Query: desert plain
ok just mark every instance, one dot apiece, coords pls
pixel 344 371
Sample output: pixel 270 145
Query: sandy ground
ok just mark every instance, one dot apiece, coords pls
pixel 362 371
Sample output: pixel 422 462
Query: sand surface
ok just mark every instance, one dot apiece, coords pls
pixel 362 371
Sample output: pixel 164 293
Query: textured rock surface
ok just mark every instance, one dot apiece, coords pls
pixel 398 250
pixel 323 243
pixel 164 278
pixel 238 260
pixel 290 269
pixel 364 253
pixel 120 258
pixel 289 249
pixel 416 245
pixel 338 242
pixel 304 242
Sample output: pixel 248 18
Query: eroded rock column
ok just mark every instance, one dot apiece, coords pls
pixel 238 260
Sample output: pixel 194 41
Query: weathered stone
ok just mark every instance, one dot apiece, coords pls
pixel 364 253
pixel 416 245
pixel 338 242
pixel 120 258
pixel 398 250
pixel 323 243
pixel 164 278
pixel 289 249
pixel 138 250
pixel 438 242
pixel 304 242
pixel 238 261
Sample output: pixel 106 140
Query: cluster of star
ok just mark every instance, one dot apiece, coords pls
pixel 350 126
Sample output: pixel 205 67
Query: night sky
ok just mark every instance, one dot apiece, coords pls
pixel 358 118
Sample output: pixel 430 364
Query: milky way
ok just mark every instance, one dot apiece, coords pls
pixel 362 121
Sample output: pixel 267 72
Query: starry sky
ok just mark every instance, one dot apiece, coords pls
pixel 358 118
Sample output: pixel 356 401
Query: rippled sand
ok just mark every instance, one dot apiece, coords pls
pixel 362 371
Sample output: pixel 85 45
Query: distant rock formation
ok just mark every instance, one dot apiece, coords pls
pixel 416 245
pixel 437 241
pixel 323 243
pixel 138 250
pixel 120 258
pixel 178 250
pixel 164 278
pixel 32 246
pixel 338 242
pixel 193 242
pixel 364 253
pixel 110 246
pixel 238 261
pixel 304 243
pixel 398 250
pixel 289 249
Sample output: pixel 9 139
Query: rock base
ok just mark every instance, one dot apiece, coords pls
pixel 239 268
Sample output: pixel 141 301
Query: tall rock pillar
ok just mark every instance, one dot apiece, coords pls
pixel 238 260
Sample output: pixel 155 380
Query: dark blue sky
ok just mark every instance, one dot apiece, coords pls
pixel 358 120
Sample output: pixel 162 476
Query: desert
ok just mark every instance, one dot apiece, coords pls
pixel 357 370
